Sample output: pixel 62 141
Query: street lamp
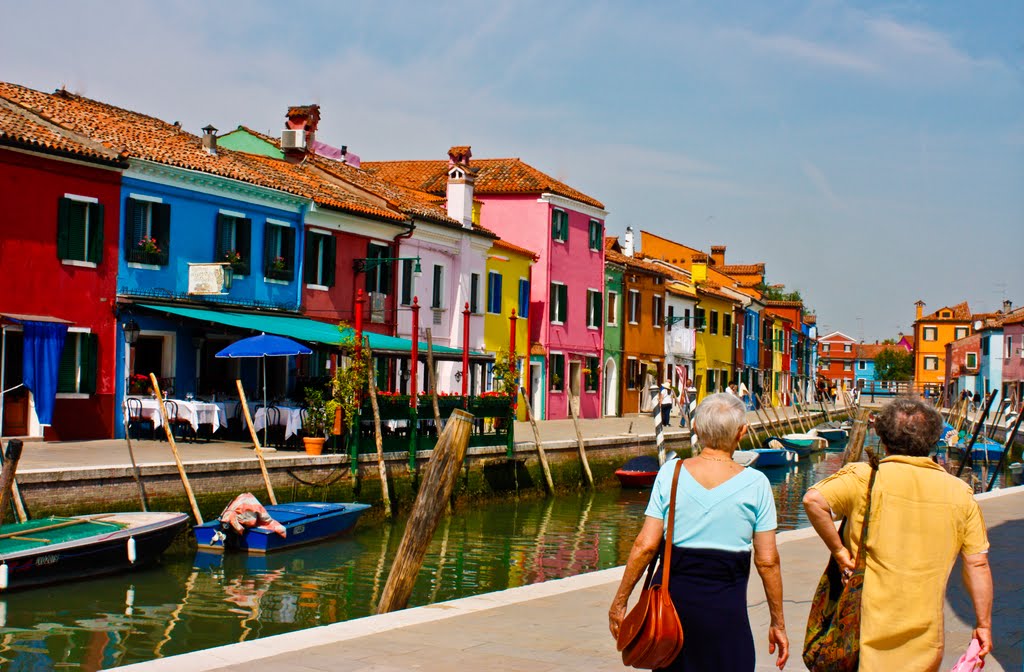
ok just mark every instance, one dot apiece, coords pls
pixel 131 332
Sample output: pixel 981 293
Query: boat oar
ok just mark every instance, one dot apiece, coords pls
pixel 255 440
pixel 174 449
pixel 1010 437
pixel 13 455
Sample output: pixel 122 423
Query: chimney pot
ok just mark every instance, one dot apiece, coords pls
pixel 1007 306
pixel 628 247
pixel 459 192
pixel 210 139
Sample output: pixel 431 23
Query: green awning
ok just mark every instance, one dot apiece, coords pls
pixel 305 329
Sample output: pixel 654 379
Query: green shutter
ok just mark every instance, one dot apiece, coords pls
pixel 498 295
pixel 269 245
pixel 63 224
pixel 222 239
pixel 97 224
pixel 330 260
pixel 243 244
pixel 132 226
pixel 90 347
pixel 288 252
pixel 66 370
pixel 161 228
pixel 552 300
pixel 76 231
pixel 309 259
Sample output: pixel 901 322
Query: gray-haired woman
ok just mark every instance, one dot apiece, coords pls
pixel 722 512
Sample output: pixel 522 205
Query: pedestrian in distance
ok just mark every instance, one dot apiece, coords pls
pixel 921 519
pixel 724 514
pixel 666 400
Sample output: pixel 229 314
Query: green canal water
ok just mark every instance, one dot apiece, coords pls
pixel 195 601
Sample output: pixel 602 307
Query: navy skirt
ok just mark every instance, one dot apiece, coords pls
pixel 709 590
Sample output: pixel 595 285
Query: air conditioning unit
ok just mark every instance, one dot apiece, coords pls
pixel 293 139
pixel 377 307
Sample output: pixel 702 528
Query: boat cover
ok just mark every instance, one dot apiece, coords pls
pixel 246 511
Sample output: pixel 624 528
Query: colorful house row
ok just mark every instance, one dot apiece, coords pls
pixel 990 358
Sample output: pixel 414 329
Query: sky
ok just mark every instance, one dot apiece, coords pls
pixel 871 154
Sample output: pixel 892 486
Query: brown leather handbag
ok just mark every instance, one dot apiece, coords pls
pixel 651 635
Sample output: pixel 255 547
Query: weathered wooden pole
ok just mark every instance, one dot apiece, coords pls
pixel 382 467
pixel 438 482
pixel 433 383
pixel 979 424
pixel 540 446
pixel 131 455
pixel 414 357
pixel 174 448
pixel 579 442
pixel 465 354
pixel 1011 436
pixel 859 432
pixel 11 458
pixel 255 441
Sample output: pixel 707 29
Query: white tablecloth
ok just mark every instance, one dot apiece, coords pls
pixel 290 417
pixel 194 412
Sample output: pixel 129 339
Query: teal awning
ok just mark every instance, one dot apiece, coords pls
pixel 305 329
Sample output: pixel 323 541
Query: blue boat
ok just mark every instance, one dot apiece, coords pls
pixel 986 449
pixel 803 447
pixel 304 523
pixel 774 457
pixel 831 432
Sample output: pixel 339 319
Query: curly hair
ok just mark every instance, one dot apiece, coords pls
pixel 909 426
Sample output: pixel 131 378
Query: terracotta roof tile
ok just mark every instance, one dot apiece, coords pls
pixel 742 269
pixel 784 304
pixel 23 128
pixel 494 176
pixel 961 313
pixel 872 350
pixel 505 245
pixel 634 263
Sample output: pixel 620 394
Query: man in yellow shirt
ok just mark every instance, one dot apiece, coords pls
pixel 921 519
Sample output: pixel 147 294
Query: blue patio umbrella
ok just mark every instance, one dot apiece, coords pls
pixel 263 346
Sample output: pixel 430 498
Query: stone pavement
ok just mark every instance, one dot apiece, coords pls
pixel 562 625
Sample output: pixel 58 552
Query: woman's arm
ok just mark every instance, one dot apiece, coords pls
pixel 644 549
pixel 766 559
pixel 820 515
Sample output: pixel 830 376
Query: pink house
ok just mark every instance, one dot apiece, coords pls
pixel 1013 355
pixel 565 228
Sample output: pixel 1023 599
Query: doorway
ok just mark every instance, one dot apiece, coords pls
pixel 611 388
pixel 537 389
pixel 16 397
pixel 575 375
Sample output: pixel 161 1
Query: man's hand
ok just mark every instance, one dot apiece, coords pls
pixel 984 637
pixel 846 563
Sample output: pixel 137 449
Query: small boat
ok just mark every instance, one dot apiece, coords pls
pixel 775 457
pixel 746 458
pixel 52 550
pixel 802 444
pixel 986 450
pixel 638 472
pixel 1017 473
pixel 302 522
pixel 831 432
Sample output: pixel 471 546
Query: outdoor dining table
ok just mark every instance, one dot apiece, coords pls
pixel 291 418
pixel 195 412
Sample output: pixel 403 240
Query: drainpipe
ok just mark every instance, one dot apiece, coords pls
pixel 394 271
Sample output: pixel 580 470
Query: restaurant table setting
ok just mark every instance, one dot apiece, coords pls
pixel 195 412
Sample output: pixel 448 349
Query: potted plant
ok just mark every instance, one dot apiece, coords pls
pixel 314 424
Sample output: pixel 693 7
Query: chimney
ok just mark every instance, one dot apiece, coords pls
pixel 210 139
pixel 920 309
pixel 718 255
pixel 461 178
pixel 1007 306
pixel 304 118
pixel 627 247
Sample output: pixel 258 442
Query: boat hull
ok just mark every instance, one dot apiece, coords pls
pixel 636 479
pixel 801 446
pixel 774 457
pixel 304 523
pixel 96 555
pixel 832 435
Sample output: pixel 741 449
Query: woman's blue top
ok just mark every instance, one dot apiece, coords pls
pixel 724 517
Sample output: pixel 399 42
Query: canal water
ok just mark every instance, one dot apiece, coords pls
pixel 196 601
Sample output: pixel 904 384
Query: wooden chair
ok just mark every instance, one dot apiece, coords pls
pixel 136 420
pixel 275 429
pixel 180 427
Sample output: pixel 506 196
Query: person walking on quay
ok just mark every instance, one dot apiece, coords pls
pixel 722 512
pixel 921 519
pixel 665 399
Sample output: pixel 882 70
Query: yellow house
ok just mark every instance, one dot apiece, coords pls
pixel 931 335
pixel 507 288
pixel 714 351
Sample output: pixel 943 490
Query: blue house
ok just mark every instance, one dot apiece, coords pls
pixel 751 347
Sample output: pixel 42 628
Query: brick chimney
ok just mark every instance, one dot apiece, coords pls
pixel 1007 306
pixel 302 118
pixel 210 139
pixel 718 255
pixel 920 309
pixel 461 178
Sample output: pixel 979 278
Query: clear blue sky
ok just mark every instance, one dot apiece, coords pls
pixel 870 153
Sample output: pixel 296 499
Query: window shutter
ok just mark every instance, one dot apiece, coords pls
pixel 90 346
pixel 132 226
pixel 223 237
pixel 288 252
pixel 66 370
pixel 497 294
pixel 407 266
pixel 598 308
pixel 63 224
pixel 97 224
pixel 309 259
pixel 243 244
pixel 269 246
pixel 552 300
pixel 330 256
pixel 162 227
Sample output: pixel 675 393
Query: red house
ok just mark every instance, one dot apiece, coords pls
pixel 59 233
pixel 836 354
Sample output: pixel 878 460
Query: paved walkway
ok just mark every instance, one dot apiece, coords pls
pixel 562 625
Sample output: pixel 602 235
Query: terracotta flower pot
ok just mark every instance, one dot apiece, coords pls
pixel 314 445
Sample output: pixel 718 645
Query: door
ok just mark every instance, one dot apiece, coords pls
pixel 537 389
pixel 15 398
pixel 611 388
pixel 575 377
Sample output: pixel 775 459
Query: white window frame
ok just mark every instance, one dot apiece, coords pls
pixel 87 200
pixel 633 299
pixel 591 293
pixel 611 317
pixel 557 304
pixel 967 360
pixel 658 318
pixel 930 358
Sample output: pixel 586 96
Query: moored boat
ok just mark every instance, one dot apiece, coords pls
pixel 1017 473
pixel 52 550
pixel 802 444
pixel 774 457
pixel 831 432
pixel 746 458
pixel 639 472
pixel 303 523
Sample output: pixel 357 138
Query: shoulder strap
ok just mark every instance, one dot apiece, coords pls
pixel 862 549
pixel 666 563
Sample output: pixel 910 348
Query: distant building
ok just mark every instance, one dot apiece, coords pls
pixel 836 357
pixel 932 333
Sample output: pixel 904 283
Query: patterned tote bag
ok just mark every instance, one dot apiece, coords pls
pixel 832 642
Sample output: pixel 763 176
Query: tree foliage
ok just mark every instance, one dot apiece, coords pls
pixel 894 364
pixel 778 293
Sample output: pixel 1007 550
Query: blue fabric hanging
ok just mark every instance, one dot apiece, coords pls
pixel 44 343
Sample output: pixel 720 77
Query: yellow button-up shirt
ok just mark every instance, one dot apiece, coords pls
pixel 921 518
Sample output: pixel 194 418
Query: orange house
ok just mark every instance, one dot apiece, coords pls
pixel 643 330
pixel 932 333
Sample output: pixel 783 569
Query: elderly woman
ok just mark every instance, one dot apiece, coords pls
pixel 921 519
pixel 722 512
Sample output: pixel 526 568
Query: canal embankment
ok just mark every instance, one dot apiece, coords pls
pixel 562 624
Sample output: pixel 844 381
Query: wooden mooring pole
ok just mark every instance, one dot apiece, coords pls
pixel 382 467
pixel 439 478
pixel 174 449
pixel 255 440
pixel 11 458
pixel 541 455
pixel 579 442
pixel 131 455
pixel 859 432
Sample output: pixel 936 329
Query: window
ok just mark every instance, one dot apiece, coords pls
pixel 591 374
pixel 930 334
pixel 945 313
pixel 613 309
pixel 79 229
pixel 556 371
pixel 699 319
pixel 524 298
pixel 378 273
pixel 633 373
pixel 147 235
pixel 494 293
pixel 436 300
pixel 279 252
pixel 594 308
pixel 931 363
pixel 959 332
pixel 825 347
pixel 407 277
pixel 847 366
pixel 657 311
pixel 984 347
pixel 596 235
pixel 233 242
pixel 558 303
pixel 671 316
pixel 712 385
pixel 686 318
pixel 634 306
pixel 560 225
pixel 714 322
pixel 972 360
pixel 1008 347
pixel 77 371
pixel 319 263
pixel 862 366
pixel 727 325
pixel 474 292
pixel 847 347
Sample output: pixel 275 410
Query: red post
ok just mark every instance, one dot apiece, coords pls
pixel 513 360
pixel 359 322
pixel 415 349
pixel 465 350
